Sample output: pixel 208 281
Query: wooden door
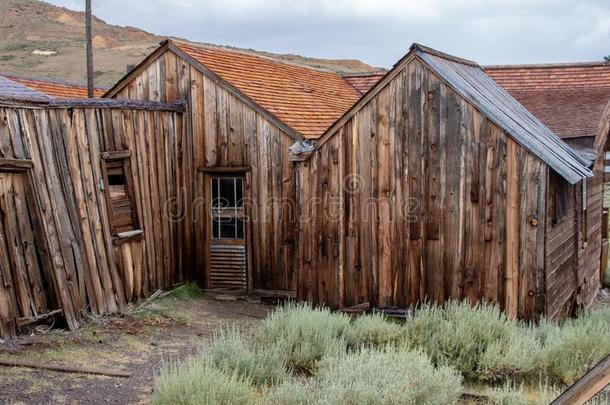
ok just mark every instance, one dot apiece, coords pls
pixel 23 289
pixel 226 236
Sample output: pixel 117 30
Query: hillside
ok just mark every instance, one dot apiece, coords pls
pixel 42 40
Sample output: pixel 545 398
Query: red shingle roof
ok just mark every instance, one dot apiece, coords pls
pixel 306 99
pixel 53 88
pixel 365 81
pixel 568 98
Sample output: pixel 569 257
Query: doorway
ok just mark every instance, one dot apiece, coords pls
pixel 226 240
pixel 24 290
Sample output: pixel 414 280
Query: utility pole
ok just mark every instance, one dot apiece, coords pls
pixel 88 34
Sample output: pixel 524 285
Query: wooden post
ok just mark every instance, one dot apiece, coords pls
pixel 88 35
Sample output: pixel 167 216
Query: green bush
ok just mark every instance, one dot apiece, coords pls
pixel 373 376
pixel 575 346
pixel 198 382
pixel 373 330
pixel 304 334
pixel 291 392
pixel 516 356
pixel 187 291
pixel 510 394
pixel 229 352
pixel 480 342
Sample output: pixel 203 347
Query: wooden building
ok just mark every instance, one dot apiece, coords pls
pixel 437 184
pixel 428 182
pixel 243 113
pixel 83 221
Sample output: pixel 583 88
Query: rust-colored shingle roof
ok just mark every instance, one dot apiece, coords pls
pixel 568 98
pixel 306 99
pixel 55 88
pixel 365 81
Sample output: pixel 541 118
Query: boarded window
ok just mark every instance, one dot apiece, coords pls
pixel 119 195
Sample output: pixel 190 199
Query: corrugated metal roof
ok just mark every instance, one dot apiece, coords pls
pixel 472 83
pixel 13 90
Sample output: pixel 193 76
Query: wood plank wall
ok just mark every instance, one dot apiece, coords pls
pixel 420 197
pixel 589 263
pixel 222 131
pixel 572 261
pixel 84 264
pixel 561 251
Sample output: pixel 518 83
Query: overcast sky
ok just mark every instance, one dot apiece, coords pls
pixel 379 32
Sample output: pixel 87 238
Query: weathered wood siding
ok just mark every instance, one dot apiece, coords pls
pixel 561 251
pixel 223 131
pixel 420 197
pixel 573 260
pixel 83 263
pixel 589 251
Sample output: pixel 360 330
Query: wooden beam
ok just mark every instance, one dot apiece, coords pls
pixel 225 169
pixel 15 165
pixel 89 42
pixel 587 386
pixel 116 155
pixel 65 369
pixel 28 320
pixel 128 236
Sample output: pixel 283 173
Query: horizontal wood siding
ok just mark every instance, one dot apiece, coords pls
pixel 420 197
pixel 589 261
pixel 84 263
pixel 223 131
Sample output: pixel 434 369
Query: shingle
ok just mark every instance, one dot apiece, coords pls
pixel 365 81
pixel 569 98
pixel 55 88
pixel 306 99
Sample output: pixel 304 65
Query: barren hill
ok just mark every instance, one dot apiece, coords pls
pixel 42 40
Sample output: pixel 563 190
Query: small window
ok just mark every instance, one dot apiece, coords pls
pixel 119 194
pixel 559 198
pixel 227 208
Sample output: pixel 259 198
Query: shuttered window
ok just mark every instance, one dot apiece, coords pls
pixel 119 193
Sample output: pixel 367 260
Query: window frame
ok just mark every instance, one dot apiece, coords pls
pixel 218 212
pixel 120 158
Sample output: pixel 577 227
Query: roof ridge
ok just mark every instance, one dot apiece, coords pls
pixel 220 48
pixel 425 49
pixel 548 65
pixel 364 74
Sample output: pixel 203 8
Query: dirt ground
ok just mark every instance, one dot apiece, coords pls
pixel 167 329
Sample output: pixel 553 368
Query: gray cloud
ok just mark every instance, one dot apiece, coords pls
pixel 379 32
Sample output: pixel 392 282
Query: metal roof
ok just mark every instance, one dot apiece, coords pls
pixel 471 82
